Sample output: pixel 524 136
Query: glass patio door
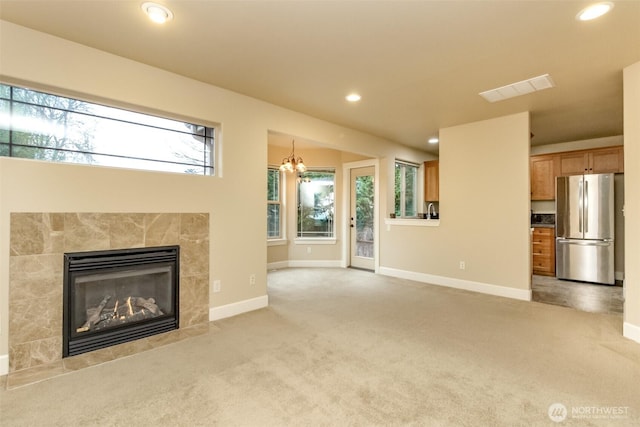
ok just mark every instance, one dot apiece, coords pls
pixel 362 217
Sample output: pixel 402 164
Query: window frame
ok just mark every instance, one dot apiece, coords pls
pixel 197 158
pixel 403 164
pixel 280 202
pixel 331 239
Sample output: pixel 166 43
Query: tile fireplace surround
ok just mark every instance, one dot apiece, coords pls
pixel 38 242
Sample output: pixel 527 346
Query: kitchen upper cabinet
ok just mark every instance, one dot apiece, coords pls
pixel 574 163
pixel 543 177
pixel 607 160
pixel 601 160
pixel 545 168
pixel 432 181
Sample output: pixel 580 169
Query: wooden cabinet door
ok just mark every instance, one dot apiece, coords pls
pixel 543 177
pixel 609 160
pixel 574 163
pixel 599 160
pixel 543 251
pixel 431 181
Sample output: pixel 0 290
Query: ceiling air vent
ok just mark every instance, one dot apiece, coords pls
pixel 524 87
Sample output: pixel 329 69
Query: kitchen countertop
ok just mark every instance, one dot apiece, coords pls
pixel 420 222
pixel 543 220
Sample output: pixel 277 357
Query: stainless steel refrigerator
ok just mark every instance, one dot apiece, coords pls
pixel 585 228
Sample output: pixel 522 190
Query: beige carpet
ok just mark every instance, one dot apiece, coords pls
pixel 347 347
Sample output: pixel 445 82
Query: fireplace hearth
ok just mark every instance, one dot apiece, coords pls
pixel 115 296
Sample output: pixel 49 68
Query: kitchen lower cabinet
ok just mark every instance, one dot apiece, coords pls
pixel 543 251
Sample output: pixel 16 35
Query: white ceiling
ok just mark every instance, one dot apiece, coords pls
pixel 419 65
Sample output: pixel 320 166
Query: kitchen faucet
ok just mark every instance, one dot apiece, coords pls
pixel 429 209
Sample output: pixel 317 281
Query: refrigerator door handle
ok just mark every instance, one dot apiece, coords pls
pixel 580 205
pixel 605 242
pixel 586 206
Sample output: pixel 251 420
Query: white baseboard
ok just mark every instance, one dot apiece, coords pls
pixel 277 265
pixel 315 263
pixel 230 310
pixel 631 331
pixel 4 364
pixel 485 288
pixel 329 263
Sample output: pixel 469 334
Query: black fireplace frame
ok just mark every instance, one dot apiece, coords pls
pixel 78 263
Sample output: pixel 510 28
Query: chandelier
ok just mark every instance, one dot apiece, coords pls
pixel 292 163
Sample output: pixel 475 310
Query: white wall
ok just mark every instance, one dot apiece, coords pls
pixel 583 144
pixel 632 200
pixel 484 213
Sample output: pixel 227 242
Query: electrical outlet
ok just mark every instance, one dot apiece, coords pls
pixel 252 279
pixel 462 265
pixel 308 249
pixel 216 286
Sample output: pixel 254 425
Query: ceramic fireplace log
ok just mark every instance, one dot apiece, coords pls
pixel 93 315
pixel 149 304
pixel 133 309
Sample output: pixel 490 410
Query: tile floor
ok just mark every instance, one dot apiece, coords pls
pixel 581 296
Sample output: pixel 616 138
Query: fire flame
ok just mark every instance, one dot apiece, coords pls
pixel 130 307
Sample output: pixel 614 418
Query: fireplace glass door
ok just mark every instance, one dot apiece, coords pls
pixel 113 297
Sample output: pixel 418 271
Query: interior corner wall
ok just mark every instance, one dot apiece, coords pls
pixel 631 78
pixel 484 213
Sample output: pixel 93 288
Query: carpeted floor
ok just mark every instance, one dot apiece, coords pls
pixel 347 347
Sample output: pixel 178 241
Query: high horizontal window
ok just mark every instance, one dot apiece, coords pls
pixel 37 125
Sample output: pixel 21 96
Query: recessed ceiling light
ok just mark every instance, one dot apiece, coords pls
pixel 156 12
pixel 433 140
pixel 519 88
pixel 594 11
pixel 353 97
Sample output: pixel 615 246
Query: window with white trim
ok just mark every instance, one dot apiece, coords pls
pixel 316 204
pixel 406 189
pixel 42 126
pixel 274 203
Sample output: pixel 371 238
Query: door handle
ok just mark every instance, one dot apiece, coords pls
pixel 586 243
pixel 586 206
pixel 580 205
